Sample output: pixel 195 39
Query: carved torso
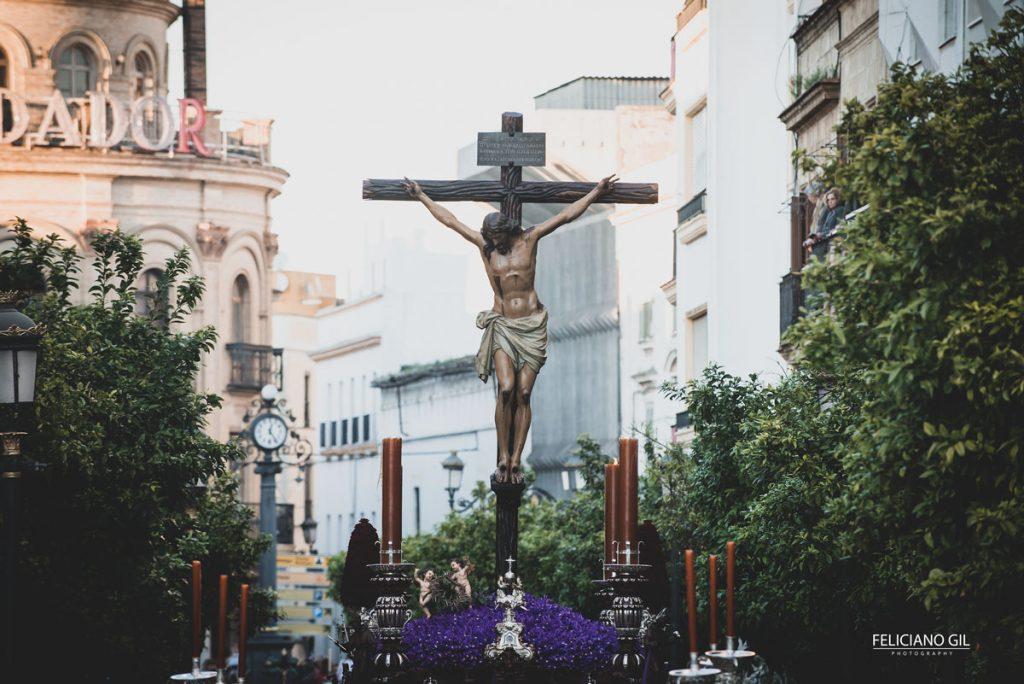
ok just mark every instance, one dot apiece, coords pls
pixel 512 276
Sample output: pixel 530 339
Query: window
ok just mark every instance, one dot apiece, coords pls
pixel 355 430
pixel 143 76
pixel 949 19
pixel 366 427
pixel 323 435
pixel 973 12
pixel 344 431
pixel 6 117
pixel 334 433
pixel 241 304
pixel 646 320
pixel 699 151
pixel 76 71
pixel 698 344
pixel 147 302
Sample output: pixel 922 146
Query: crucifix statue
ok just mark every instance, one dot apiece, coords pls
pixel 514 344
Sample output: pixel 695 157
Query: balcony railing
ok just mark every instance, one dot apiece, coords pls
pixel 697 205
pixel 252 366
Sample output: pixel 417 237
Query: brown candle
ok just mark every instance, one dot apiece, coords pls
pixel 627 480
pixel 611 511
pixel 243 629
pixel 391 467
pixel 222 619
pixel 730 571
pixel 197 609
pixel 691 600
pixel 713 598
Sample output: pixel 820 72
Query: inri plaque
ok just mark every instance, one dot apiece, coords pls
pixel 502 149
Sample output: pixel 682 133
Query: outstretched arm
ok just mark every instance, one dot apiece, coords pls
pixel 576 209
pixel 443 215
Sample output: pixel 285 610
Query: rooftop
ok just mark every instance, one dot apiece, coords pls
pixel 603 92
pixel 422 371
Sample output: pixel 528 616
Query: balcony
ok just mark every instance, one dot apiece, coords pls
pixel 253 366
pixel 695 207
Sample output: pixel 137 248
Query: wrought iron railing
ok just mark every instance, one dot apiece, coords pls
pixel 252 366
pixel 697 205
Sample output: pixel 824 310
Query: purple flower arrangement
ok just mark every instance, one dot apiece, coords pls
pixel 563 640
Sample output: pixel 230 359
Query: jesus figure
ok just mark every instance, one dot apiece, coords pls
pixel 515 337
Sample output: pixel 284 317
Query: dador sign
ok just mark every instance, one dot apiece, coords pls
pixel 149 122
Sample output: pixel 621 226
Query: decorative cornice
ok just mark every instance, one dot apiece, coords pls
pixel 347 347
pixel 812 103
pixel 212 239
pixel 15 331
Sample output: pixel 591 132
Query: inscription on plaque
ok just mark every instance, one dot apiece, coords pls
pixel 502 149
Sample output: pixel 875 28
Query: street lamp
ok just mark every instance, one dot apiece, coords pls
pixel 454 466
pixel 309 532
pixel 19 349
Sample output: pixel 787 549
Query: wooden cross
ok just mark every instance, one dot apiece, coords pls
pixel 511 191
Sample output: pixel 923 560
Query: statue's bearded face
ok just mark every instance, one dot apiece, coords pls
pixel 498 233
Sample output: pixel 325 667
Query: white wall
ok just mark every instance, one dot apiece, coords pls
pixel 748 168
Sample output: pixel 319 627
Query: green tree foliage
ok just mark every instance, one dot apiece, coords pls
pixel 925 306
pixel 114 518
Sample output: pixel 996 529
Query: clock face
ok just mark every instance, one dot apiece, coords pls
pixel 269 432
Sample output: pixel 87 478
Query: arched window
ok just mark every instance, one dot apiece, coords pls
pixel 6 117
pixel 241 310
pixel 147 294
pixel 76 70
pixel 144 76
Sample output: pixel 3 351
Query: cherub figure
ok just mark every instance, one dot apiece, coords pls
pixel 460 576
pixel 426 585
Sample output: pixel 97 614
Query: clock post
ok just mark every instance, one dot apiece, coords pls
pixel 268 433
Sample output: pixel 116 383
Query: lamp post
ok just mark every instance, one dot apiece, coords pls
pixel 454 466
pixel 19 348
pixel 309 532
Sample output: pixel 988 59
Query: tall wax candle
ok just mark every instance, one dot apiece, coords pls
pixel 713 598
pixel 627 478
pixel 243 630
pixel 730 571
pixel 197 609
pixel 611 511
pixel 691 601
pixel 391 467
pixel 222 622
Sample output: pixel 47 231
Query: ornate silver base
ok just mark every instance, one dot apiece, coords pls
pixel 390 581
pixel 730 658
pixel 628 614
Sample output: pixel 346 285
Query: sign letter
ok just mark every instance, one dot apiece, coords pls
pixel 150 110
pixel 57 115
pixel 98 137
pixel 191 130
pixel 19 116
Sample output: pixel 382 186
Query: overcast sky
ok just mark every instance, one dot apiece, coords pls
pixel 387 88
